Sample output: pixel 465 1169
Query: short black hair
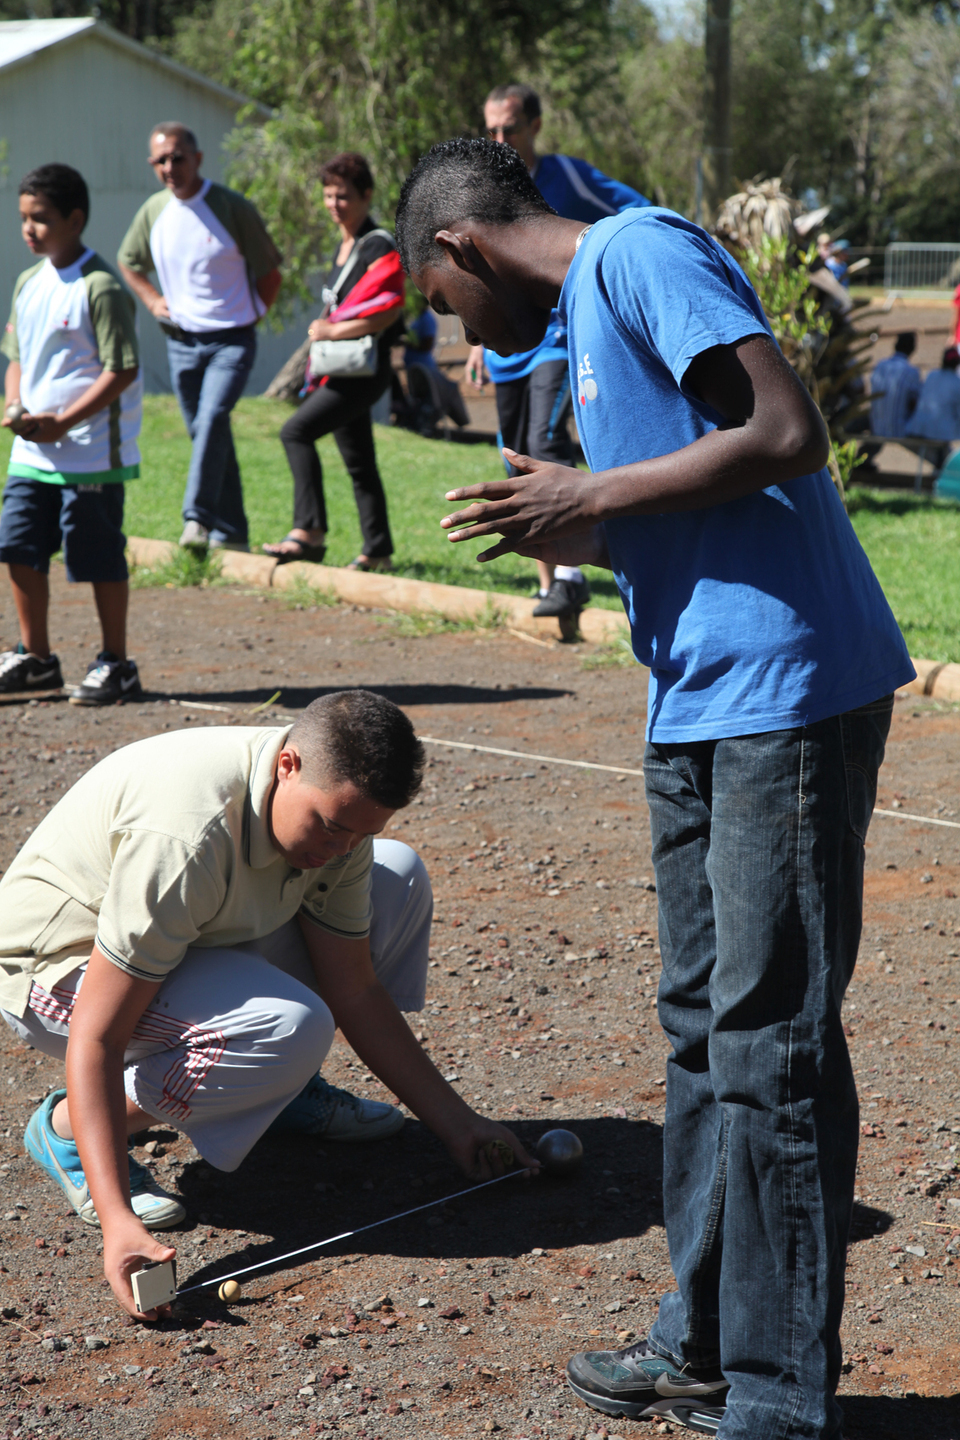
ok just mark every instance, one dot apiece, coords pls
pixel 518 91
pixel 364 738
pixel 63 186
pixel 906 342
pixel 461 180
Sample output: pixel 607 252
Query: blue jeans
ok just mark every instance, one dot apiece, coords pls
pixel 758 849
pixel 209 373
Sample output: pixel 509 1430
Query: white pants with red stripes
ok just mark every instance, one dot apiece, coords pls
pixel 233 1035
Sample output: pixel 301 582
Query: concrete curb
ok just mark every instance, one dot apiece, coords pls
pixel 935 680
pixel 389 592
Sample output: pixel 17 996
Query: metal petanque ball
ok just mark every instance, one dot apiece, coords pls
pixel 15 413
pixel 559 1151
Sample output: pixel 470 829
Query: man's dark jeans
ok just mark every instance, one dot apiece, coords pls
pixel 209 373
pixel 758 849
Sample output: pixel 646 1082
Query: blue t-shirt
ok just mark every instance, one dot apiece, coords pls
pixel 895 387
pixel 937 416
pixel 577 191
pixel 424 327
pixel 758 614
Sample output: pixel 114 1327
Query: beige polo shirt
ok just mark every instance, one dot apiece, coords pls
pixel 162 845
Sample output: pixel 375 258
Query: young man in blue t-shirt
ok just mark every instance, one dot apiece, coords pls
pixel 772 656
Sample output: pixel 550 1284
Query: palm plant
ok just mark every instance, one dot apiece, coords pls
pixel 766 229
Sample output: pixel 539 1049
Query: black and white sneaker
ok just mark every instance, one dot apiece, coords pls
pixel 565 598
pixel 109 682
pixel 642 1385
pixel 704 1419
pixel 19 670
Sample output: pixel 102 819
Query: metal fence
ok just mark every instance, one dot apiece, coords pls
pixel 934 268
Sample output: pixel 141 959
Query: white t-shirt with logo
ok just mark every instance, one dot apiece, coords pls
pixel 66 327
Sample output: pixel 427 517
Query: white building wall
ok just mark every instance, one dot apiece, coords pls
pixel 89 103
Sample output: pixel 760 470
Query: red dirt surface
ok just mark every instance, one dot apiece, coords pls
pixel 458 1322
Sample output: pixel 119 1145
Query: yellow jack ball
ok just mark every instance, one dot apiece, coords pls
pixel 229 1290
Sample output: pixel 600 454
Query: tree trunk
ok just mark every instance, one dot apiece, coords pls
pixel 288 381
pixel 716 128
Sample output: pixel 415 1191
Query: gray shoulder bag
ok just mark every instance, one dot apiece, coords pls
pixel 358 358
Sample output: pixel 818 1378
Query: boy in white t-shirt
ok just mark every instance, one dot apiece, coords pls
pixel 72 398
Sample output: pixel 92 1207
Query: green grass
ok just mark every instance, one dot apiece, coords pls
pixel 416 623
pixel 914 546
pixel 416 473
pixel 913 543
pixel 184 568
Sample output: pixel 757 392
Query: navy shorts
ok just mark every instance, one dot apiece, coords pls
pixel 85 521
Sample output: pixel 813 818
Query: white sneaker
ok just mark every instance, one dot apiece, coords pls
pixel 322 1109
pixel 195 536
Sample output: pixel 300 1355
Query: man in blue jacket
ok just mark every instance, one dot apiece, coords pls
pixel 532 389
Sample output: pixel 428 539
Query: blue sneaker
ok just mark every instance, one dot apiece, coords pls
pixel 322 1109
pixel 61 1160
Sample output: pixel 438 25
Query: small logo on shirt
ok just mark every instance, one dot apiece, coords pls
pixel 586 385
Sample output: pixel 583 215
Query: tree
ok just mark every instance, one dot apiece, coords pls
pixel 144 20
pixel 374 76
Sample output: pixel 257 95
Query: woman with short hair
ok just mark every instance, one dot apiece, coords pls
pixel 363 295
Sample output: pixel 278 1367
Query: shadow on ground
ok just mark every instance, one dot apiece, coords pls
pixel 868 1221
pixel 301 1191
pixel 910 1417
pixel 296 697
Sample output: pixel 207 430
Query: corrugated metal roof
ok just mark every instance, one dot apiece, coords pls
pixel 22 40
pixel 19 38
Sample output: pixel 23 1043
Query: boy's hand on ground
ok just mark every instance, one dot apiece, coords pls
pixel 543 504
pixel 476 1150
pixel 44 428
pixel 127 1247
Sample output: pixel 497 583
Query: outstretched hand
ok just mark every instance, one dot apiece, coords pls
pixel 545 512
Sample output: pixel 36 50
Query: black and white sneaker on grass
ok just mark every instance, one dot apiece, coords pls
pixel 642 1385
pixel 564 599
pixel 109 682
pixel 19 670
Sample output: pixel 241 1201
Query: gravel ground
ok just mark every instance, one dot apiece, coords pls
pixel 458 1321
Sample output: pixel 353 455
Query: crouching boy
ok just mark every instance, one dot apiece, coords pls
pixel 187 928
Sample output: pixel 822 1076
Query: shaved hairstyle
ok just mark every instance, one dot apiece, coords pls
pixel 516 91
pixel 461 180
pixel 176 127
pixel 365 739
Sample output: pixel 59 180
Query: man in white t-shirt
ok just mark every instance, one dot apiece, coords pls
pixel 218 270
